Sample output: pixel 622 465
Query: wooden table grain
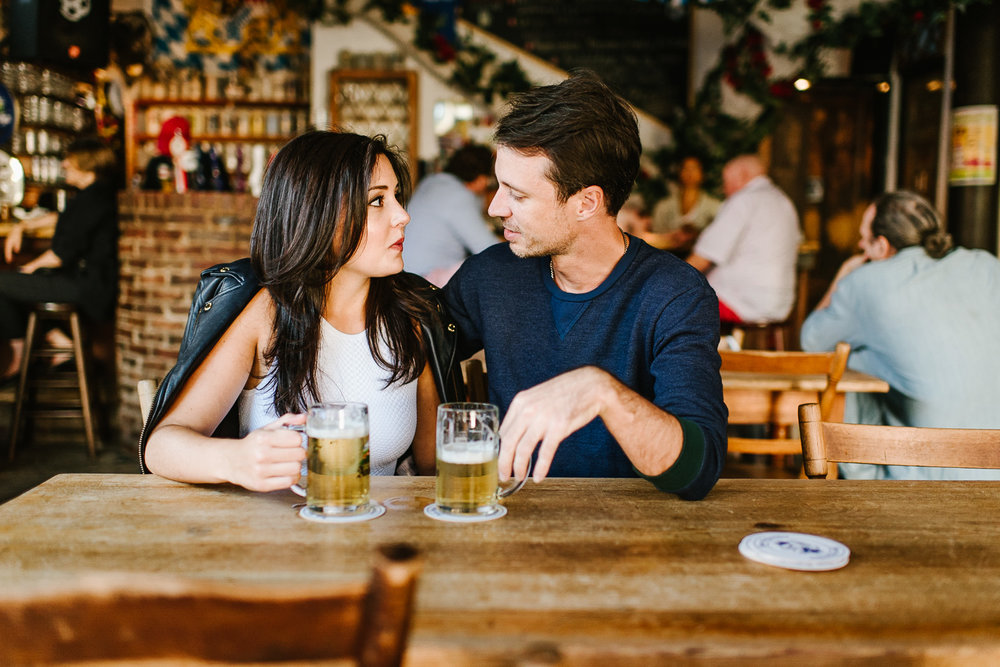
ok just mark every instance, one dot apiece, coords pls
pixel 590 572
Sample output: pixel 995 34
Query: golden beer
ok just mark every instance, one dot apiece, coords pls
pixel 467 480
pixel 339 468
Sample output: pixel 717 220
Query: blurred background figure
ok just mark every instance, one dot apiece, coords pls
pixel 678 219
pixel 922 315
pixel 168 171
pixel 81 267
pixel 446 215
pixel 749 251
pixel 634 216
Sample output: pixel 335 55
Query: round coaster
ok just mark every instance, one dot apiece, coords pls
pixel 434 512
pixel 372 511
pixel 795 551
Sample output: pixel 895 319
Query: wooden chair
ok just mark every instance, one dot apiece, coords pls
pixel 147 392
pixel 778 409
pixel 475 380
pixel 144 617
pixel 825 442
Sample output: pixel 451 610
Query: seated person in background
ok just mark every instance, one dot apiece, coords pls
pixel 81 267
pixel 446 220
pixel 921 315
pixel 634 217
pixel 679 218
pixel 749 252
pixel 320 312
pixel 601 351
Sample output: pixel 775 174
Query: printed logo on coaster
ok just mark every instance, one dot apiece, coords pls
pixel 795 551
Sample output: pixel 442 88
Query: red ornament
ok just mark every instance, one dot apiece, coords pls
pixel 782 89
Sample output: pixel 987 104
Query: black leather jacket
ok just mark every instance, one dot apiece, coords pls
pixel 224 291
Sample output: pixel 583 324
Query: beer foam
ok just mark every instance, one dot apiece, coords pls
pixel 450 455
pixel 337 433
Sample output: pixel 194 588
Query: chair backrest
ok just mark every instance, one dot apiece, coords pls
pixel 824 442
pixel 147 392
pixel 475 380
pixel 762 407
pixel 132 617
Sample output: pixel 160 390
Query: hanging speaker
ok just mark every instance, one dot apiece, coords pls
pixel 71 33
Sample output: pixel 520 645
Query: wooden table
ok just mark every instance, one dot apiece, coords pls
pixel 743 390
pixel 607 572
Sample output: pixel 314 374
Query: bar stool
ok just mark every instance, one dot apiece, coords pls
pixel 36 348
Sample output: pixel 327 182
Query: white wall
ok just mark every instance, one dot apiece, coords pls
pixel 362 36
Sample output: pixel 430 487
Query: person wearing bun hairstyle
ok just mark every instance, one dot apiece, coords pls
pixel 922 315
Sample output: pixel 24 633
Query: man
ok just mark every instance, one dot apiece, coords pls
pixel 750 250
pixel 446 215
pixel 922 315
pixel 600 350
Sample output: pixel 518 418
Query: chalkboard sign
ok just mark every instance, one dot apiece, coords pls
pixel 639 47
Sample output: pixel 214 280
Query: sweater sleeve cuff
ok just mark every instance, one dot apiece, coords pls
pixel 688 465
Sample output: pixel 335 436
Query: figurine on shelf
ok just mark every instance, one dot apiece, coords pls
pixel 168 171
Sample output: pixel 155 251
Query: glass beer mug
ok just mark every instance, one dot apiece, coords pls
pixel 468 444
pixel 337 469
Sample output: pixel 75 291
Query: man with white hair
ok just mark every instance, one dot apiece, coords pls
pixel 749 251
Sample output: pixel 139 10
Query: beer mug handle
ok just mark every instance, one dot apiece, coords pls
pixel 301 428
pixel 513 486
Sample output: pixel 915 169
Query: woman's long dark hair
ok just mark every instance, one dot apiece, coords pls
pixel 311 219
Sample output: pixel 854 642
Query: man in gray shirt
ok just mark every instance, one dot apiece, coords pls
pixel 446 216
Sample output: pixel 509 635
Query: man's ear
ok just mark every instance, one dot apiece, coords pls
pixel 880 248
pixel 590 202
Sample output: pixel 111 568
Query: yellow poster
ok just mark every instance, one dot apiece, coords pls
pixel 973 146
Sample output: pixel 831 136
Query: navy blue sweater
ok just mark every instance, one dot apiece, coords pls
pixel 653 324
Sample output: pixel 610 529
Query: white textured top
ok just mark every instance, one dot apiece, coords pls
pixel 754 243
pixel 348 372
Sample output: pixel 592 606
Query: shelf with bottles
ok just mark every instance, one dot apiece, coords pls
pixel 208 165
pixel 52 109
pixel 188 86
pixel 225 122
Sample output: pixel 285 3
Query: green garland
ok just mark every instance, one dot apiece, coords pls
pixel 705 131
pixel 475 71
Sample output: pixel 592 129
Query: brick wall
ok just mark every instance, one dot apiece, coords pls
pixel 166 241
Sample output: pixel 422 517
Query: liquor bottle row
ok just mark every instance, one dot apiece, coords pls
pixel 223 167
pixel 225 121
pixel 276 86
pixel 30 79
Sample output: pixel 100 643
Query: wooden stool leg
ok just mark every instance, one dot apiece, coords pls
pixel 81 375
pixel 22 385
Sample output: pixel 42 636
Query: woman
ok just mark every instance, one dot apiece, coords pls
pixel 81 267
pixel 677 220
pixel 923 316
pixel 333 319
